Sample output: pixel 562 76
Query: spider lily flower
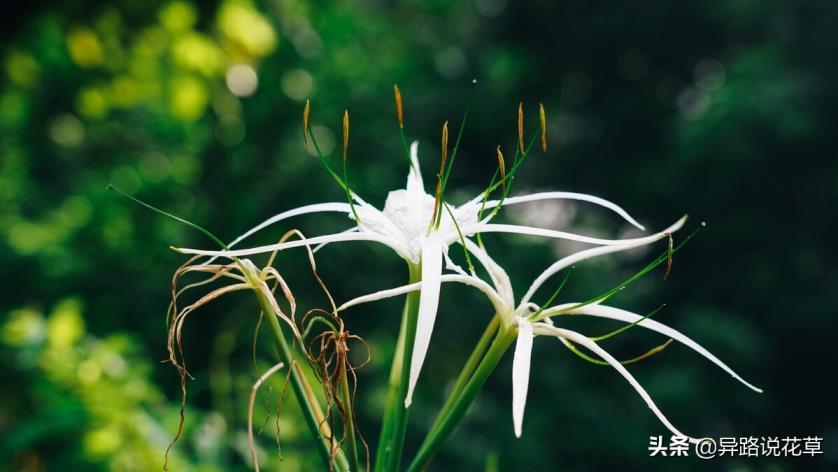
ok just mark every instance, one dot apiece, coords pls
pixel 530 320
pixel 405 226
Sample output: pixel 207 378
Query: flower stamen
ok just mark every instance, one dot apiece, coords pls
pixel 399 109
pixel 502 168
pixel 521 127
pixel 542 118
pixel 669 258
pixel 440 176
pixel 400 119
pixel 306 117
pixel 345 126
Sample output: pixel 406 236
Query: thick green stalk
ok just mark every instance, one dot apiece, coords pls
pixel 382 451
pixel 302 390
pixel 468 369
pixel 455 413
pixel 396 440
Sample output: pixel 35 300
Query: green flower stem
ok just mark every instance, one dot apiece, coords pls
pixel 305 394
pixel 397 436
pixel 432 443
pixel 468 369
pixel 349 420
pixel 392 397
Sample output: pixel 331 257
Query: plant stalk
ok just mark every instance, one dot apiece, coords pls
pixel 397 414
pixel 382 450
pixel 400 424
pixel 432 443
pixel 468 369
pixel 312 412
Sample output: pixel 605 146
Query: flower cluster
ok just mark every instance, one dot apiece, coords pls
pixel 414 225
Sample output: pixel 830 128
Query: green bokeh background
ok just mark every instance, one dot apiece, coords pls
pixel 722 109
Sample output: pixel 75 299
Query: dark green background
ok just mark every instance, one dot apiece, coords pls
pixel 135 95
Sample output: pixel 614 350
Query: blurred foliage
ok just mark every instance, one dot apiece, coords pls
pixel 724 109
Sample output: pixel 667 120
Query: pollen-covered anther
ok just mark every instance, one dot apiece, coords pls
pixel 669 258
pixel 399 109
pixel 345 134
pixel 542 118
pixel 502 169
pixel 306 116
pixel 521 127
pixel 441 174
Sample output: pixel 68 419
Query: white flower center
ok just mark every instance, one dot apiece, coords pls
pixel 411 213
pixel 407 216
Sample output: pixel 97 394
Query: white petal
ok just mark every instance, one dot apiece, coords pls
pixel 560 309
pixel 587 254
pixel 516 229
pixel 381 295
pixel 521 374
pixel 320 246
pixel 375 221
pixel 603 311
pixel 543 328
pixel 450 264
pixel 414 176
pixel 331 238
pixel 567 196
pixel 428 304
pixel 316 208
pixel 494 298
pixel 500 279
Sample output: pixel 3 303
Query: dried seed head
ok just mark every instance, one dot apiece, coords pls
pixel 399 109
pixel 345 133
pixel 521 127
pixel 306 116
pixel 542 117
pixel 502 167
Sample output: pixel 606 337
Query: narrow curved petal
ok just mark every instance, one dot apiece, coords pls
pixel 494 298
pixel 603 311
pixel 374 220
pixel 588 254
pixel 381 295
pixel 331 238
pixel 517 229
pixel 568 196
pixel 500 279
pixel 560 309
pixel 543 328
pixel 428 305
pixel 450 264
pixel 521 374
pixel 320 246
pixel 414 176
pixel 315 208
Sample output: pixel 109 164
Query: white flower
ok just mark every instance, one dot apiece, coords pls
pixel 404 225
pixel 531 320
